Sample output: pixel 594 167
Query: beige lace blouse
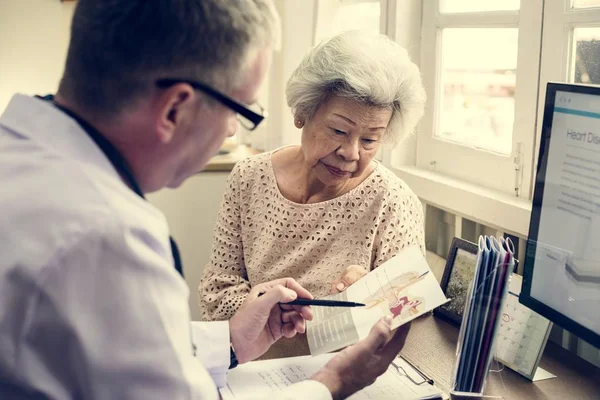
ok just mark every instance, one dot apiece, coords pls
pixel 260 235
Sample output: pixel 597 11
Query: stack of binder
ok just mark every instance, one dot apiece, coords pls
pixel 495 264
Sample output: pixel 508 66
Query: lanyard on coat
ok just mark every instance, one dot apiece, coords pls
pixel 118 163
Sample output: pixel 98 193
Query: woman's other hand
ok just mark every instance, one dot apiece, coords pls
pixel 350 275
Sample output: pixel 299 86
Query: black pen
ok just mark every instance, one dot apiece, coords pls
pixel 323 303
pixel 423 274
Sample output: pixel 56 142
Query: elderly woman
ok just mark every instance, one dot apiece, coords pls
pixel 324 212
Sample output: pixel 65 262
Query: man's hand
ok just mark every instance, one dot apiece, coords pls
pixel 261 321
pixel 359 366
pixel 350 275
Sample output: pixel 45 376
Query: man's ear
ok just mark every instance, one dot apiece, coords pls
pixel 173 104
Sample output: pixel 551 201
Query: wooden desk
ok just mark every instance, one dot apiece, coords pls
pixel 225 162
pixel 431 346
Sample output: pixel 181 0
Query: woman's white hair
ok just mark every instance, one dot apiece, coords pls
pixel 369 68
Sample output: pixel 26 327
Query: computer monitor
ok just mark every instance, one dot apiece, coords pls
pixel 561 279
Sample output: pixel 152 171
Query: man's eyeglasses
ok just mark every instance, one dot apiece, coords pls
pixel 248 117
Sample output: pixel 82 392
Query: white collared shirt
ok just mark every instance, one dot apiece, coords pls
pixel 91 306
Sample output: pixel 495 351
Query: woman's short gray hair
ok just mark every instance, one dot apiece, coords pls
pixel 369 68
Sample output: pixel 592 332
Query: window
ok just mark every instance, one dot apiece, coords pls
pixel 585 3
pixel 585 59
pixel 479 61
pixel 477 87
pixel 573 45
pixel 570 45
pixel 466 6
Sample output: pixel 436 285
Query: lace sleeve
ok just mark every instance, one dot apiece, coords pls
pixel 401 226
pixel 224 285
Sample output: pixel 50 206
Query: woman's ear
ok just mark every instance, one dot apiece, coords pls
pixel 299 122
pixel 173 104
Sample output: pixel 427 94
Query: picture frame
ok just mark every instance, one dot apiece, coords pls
pixel 458 274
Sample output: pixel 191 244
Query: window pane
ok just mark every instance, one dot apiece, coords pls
pixel 585 3
pixel 586 56
pixel 477 102
pixel 334 17
pixel 463 6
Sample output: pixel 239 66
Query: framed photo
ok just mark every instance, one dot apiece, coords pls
pixel 458 274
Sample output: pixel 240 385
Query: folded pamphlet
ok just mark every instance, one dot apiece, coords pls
pixel 403 287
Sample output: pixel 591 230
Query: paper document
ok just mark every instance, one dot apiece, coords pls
pixel 263 379
pixel 403 287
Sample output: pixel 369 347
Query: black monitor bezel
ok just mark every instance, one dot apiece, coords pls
pixel 525 298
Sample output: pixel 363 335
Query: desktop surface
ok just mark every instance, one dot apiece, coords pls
pixel 431 347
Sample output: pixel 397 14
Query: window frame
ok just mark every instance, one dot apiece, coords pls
pixel 555 62
pixel 508 174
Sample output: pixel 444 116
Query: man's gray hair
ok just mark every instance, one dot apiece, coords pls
pixel 371 69
pixel 118 48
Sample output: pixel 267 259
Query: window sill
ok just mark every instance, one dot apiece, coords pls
pixel 486 206
pixel 226 162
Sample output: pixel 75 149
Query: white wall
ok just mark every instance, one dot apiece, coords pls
pixel 297 18
pixel 34 36
pixel 404 26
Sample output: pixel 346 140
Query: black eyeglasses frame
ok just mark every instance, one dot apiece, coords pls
pixel 241 109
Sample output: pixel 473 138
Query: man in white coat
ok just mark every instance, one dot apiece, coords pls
pixel 91 302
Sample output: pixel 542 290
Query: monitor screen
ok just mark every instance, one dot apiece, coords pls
pixel 562 263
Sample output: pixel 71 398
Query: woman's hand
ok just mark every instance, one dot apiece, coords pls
pixel 350 275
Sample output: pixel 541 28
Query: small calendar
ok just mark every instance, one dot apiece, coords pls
pixel 522 334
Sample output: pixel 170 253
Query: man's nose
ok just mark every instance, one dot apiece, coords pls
pixel 234 126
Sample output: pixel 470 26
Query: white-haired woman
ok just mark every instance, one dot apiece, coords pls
pixel 324 212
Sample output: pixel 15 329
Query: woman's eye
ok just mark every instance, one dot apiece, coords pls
pixel 338 132
pixel 369 141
